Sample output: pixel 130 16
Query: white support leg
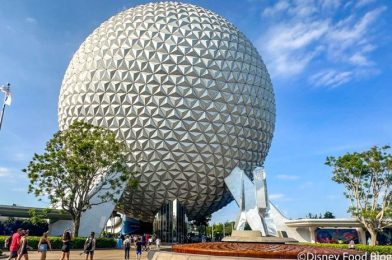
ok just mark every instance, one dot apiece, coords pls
pixel 312 231
pixel 241 221
pixel 92 220
pixel 255 221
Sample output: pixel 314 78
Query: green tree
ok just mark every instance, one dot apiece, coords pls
pixel 217 229
pixel 328 215
pixel 229 225
pixel 367 178
pixel 311 216
pixel 38 216
pixel 78 164
pixel 201 223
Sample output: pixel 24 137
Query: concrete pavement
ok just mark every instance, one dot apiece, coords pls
pixel 112 254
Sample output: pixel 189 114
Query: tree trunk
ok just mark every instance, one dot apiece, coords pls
pixel 76 225
pixel 373 237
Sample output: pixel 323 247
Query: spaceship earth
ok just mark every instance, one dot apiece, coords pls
pixel 186 91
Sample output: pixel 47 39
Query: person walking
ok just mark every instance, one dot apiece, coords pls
pixel 15 243
pixel 127 247
pixel 44 245
pixel 89 246
pixel 158 243
pixel 66 248
pixel 24 246
pixel 138 246
pixel 149 243
pixel 119 241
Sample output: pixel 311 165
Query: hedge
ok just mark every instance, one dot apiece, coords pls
pixel 386 250
pixel 77 242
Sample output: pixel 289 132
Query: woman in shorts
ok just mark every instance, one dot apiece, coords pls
pixel 89 246
pixel 24 246
pixel 66 248
pixel 44 245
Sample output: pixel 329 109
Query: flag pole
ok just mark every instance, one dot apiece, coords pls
pixel 2 115
pixel 4 103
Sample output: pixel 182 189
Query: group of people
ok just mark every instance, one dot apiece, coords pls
pixel 88 248
pixel 140 242
pixel 19 246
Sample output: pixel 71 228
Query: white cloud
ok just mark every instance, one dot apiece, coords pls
pixel 5 172
pixel 30 20
pixel 277 8
pixel 20 156
pixel 331 78
pixel 350 39
pixel 307 185
pixel 360 60
pixel 19 189
pixel 279 197
pixel 306 33
pixel 276 196
pixel 11 174
pixel 330 4
pixel 287 47
pixel 362 3
pixel 287 177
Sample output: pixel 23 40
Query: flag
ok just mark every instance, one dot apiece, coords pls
pixel 8 98
pixel 7 91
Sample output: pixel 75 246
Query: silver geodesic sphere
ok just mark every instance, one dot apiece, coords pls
pixel 188 93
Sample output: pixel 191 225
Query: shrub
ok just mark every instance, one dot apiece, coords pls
pixel 386 250
pixel 106 243
pixel 77 242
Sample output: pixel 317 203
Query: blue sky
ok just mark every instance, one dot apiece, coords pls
pixel 329 61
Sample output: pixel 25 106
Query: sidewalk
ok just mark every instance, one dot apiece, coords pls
pixel 112 254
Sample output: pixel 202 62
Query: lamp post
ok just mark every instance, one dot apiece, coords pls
pixel 224 229
pixel 212 233
pixel 7 100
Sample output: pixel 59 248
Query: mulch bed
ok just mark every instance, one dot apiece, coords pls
pixel 284 251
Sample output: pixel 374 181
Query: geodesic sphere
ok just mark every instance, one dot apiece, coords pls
pixel 187 92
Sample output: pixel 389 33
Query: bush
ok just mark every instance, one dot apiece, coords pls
pixel 77 242
pixel 386 250
pixel 106 243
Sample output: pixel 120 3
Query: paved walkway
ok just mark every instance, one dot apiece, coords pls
pixel 99 255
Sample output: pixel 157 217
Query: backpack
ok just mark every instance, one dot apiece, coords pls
pixel 8 242
pixel 127 244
